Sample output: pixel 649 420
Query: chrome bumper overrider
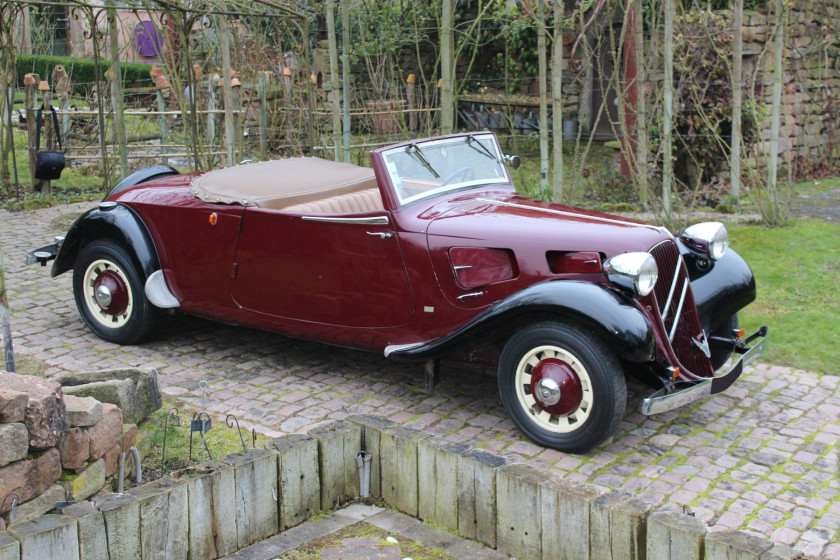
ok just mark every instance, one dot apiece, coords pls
pixel 43 255
pixel 669 398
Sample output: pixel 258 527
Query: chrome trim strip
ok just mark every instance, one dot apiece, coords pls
pixel 570 214
pixel 462 267
pixel 677 314
pixel 391 348
pixel 372 221
pixel 673 285
pixel 662 401
pixel 158 292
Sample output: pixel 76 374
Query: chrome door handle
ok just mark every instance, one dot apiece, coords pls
pixel 381 234
pixel 472 294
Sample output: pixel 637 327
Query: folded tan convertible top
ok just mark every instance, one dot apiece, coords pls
pixel 281 183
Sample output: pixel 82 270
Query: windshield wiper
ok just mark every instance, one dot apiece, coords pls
pixel 483 150
pixel 418 155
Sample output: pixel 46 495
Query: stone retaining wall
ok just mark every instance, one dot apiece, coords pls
pixel 222 506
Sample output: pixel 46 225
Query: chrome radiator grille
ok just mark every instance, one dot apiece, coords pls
pixel 675 305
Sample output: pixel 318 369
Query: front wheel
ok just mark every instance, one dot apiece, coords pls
pixel 109 294
pixel 562 386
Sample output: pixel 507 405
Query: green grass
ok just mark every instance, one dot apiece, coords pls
pixel 797 270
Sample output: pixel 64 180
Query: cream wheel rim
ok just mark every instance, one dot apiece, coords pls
pixel 100 315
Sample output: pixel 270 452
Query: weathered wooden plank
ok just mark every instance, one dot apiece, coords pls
pixel 476 476
pixel 618 527
pixel 398 448
pixel 93 542
pixel 211 494
pixel 121 513
pixel 49 536
pixel 372 427
pixel 338 444
pixel 674 536
pixel 9 547
pixel 298 480
pixel 255 474
pixel 438 481
pixel 735 545
pixel 565 506
pixel 519 523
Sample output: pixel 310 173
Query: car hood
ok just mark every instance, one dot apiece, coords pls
pixel 503 220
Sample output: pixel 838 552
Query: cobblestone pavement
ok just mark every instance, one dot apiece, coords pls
pixel 763 457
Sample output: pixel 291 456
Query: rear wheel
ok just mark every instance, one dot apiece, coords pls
pixel 109 294
pixel 562 386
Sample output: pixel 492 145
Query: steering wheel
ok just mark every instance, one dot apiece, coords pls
pixel 465 173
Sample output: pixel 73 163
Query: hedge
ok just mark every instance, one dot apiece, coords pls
pixel 82 71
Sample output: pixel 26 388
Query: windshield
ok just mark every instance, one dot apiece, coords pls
pixel 429 168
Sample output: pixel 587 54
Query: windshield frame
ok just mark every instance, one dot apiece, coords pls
pixel 488 140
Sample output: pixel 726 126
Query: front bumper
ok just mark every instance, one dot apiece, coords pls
pixel 43 255
pixel 669 398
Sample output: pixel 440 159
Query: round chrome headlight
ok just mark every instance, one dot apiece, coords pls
pixel 637 271
pixel 709 238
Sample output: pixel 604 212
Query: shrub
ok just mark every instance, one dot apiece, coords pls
pixel 82 71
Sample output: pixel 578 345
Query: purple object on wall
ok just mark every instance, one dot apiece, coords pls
pixel 147 40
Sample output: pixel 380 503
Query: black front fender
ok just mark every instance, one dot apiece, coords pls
pixel 613 316
pixel 115 222
pixel 721 289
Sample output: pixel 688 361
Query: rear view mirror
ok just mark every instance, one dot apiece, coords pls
pixel 513 161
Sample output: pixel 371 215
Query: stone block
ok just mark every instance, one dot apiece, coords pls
pixel 674 536
pixel 14 443
pixel 338 444
pixel 255 473
pixel 136 391
pixel 565 507
pixel 40 504
pixel 74 449
pixel 210 489
pixel 618 526
pixel 82 411
pixel 437 497
pixel 12 405
pixel 129 437
pixel 31 477
pixel 398 462
pixel 93 542
pixel 49 536
pixel 164 519
pixel 86 483
pixel 735 545
pixel 121 513
pixel 45 415
pixel 9 547
pixel 518 522
pixel 476 478
pixel 780 552
pixel 107 432
pixel 372 427
pixel 298 481
pixel 112 459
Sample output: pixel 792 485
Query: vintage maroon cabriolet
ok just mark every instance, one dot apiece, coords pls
pixel 430 254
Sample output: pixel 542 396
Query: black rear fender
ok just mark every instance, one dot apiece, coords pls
pixel 611 315
pixel 111 221
pixel 142 176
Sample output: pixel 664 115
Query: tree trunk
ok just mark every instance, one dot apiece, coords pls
pixel 116 88
pixel 543 71
pixel 557 102
pixel 668 108
pixel 642 151
pixel 775 115
pixel 345 75
pixel 227 90
pixel 447 93
pixel 737 85
pixel 336 100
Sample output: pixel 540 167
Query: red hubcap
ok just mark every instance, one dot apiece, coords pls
pixel 551 375
pixel 118 292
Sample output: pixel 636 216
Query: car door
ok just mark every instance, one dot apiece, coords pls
pixel 338 269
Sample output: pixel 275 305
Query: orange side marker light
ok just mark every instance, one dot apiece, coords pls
pixel 213 219
pixel 741 333
pixel 676 374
